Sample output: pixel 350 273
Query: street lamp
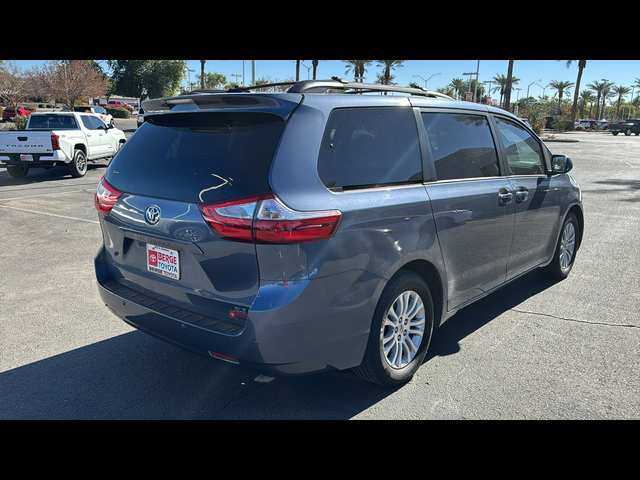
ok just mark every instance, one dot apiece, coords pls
pixel 189 73
pixel 425 81
pixel 471 73
pixel 539 80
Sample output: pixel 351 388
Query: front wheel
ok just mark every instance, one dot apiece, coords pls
pixel 400 332
pixel 627 132
pixel 566 249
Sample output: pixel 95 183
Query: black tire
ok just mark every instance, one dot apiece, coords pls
pixel 627 132
pixel 78 166
pixel 566 249
pixel 19 171
pixel 416 327
pixel 615 133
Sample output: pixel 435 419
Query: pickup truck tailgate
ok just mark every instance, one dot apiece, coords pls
pixel 27 142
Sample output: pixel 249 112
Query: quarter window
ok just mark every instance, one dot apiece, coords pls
pixel 461 145
pixel 523 151
pixel 365 147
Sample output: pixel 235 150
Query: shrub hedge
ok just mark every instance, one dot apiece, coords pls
pixel 118 112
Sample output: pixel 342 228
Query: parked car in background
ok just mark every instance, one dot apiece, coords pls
pixel 52 139
pixel 301 232
pixel 140 117
pixel 98 110
pixel 627 127
pixel 10 113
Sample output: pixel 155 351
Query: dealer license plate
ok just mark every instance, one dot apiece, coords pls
pixel 26 158
pixel 163 261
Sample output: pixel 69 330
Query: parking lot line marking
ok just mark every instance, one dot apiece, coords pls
pixel 50 214
pixel 39 195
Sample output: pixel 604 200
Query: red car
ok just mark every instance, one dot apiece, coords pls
pixel 10 113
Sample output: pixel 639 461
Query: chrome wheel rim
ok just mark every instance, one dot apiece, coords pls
pixel 81 162
pixel 402 330
pixel 567 245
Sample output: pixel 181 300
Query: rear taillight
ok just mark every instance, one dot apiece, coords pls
pixel 264 219
pixel 106 197
pixel 54 142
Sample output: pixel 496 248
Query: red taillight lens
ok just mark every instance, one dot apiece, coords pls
pixel 233 219
pixel 106 197
pixel 264 219
pixel 54 142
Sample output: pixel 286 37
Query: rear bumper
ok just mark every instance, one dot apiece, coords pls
pixel 38 160
pixel 292 328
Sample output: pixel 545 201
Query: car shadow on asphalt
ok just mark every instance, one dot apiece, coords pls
pixel 135 376
pixel 446 339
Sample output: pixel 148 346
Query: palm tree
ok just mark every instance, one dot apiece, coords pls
pixel 358 67
pixel 202 62
pixel 508 86
pixel 315 67
pixel 502 83
pixel 458 85
pixel 560 86
pixel 582 64
pixel 298 70
pixel 389 65
pixel 601 89
pixel 586 96
pixel 620 91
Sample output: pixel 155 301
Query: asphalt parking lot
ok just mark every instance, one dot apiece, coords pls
pixel 536 349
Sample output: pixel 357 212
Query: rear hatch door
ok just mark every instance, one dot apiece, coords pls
pixel 156 239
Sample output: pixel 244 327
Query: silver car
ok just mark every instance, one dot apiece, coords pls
pixel 300 232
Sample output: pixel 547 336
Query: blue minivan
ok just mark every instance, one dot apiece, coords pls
pixel 318 229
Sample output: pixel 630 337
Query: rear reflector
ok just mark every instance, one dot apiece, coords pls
pixel 220 356
pixel 264 219
pixel 106 197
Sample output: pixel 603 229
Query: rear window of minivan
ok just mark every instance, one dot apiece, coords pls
pixel 198 157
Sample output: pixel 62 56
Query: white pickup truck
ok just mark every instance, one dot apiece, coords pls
pixel 59 138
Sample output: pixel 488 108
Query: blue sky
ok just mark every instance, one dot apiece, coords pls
pixel 621 72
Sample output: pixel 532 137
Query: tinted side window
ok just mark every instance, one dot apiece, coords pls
pixel 461 145
pixel 369 147
pixel 523 151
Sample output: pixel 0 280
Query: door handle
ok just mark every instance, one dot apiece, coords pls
pixel 504 196
pixel 521 194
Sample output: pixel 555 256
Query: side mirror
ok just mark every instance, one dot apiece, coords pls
pixel 561 164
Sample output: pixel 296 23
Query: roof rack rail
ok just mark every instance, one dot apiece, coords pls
pixel 322 86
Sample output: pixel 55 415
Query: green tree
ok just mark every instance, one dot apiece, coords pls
pixel 586 96
pixel 620 91
pixel 358 67
pixel 387 66
pixel 560 86
pixel 601 89
pixel 501 81
pixel 458 86
pixel 146 78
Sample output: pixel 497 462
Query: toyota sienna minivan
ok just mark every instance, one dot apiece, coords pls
pixel 325 228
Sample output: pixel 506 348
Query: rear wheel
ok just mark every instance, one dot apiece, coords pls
pixel 19 171
pixel 400 332
pixel 78 166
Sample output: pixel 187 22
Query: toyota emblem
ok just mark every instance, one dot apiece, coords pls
pixel 152 214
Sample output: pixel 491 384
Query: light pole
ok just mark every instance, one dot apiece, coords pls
pixel 425 81
pixel 189 73
pixel 471 73
pixel 539 80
